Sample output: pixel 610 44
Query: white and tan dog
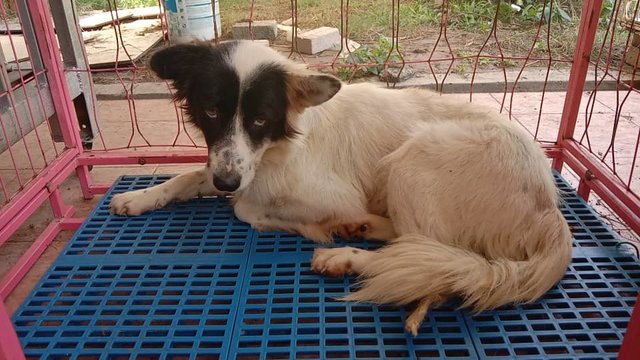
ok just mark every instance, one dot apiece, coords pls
pixel 465 198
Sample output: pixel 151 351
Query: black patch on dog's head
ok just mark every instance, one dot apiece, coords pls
pixel 264 105
pixel 204 81
pixel 209 88
pixel 182 61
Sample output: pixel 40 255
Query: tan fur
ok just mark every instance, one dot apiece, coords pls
pixel 469 195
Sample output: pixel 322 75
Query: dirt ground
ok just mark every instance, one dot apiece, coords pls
pixel 421 53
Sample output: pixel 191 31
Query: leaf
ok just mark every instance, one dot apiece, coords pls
pixel 546 13
pixel 563 14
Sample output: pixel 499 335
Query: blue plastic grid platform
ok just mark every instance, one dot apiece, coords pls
pixel 192 282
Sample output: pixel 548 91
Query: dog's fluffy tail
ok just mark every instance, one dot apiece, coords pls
pixel 416 267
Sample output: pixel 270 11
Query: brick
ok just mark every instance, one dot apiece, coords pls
pixel 348 46
pixel 632 56
pixel 636 39
pixel 288 31
pixel 317 40
pixel 393 74
pixel 262 30
pixel 262 42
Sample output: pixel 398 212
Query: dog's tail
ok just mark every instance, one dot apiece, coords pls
pixel 416 267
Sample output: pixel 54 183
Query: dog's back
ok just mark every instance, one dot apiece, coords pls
pixel 473 200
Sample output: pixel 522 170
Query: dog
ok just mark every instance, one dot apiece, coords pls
pixel 464 198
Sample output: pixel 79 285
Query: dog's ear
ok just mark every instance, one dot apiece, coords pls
pixel 313 89
pixel 180 62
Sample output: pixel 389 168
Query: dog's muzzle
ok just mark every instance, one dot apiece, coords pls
pixel 228 183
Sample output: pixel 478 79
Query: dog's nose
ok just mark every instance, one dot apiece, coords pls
pixel 227 184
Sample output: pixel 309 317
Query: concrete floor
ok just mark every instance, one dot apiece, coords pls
pixel 157 122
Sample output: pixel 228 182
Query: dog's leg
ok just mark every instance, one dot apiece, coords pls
pixel 180 188
pixel 261 219
pixel 417 315
pixel 369 226
pixel 340 261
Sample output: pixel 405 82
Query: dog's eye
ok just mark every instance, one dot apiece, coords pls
pixel 213 113
pixel 259 122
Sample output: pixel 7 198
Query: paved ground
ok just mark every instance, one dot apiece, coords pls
pixel 158 123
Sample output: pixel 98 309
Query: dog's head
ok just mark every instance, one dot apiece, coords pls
pixel 244 97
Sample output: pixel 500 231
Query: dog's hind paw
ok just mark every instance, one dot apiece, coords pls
pixel 412 325
pixel 417 315
pixel 367 226
pixel 332 262
pixel 352 230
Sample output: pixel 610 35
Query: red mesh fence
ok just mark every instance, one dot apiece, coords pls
pixel 28 143
pixel 468 62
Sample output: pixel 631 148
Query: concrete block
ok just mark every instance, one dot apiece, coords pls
pixel 393 74
pixel 262 30
pixel 317 40
pixel 262 42
pixel 635 40
pixel 348 46
pixel 288 30
pixel 632 56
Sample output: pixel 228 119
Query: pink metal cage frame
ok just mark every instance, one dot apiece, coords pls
pixel 594 175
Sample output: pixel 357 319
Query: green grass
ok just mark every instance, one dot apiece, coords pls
pixel 367 18
pixel 420 19
pixel 121 4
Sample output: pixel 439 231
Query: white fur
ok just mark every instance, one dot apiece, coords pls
pixel 469 195
pixel 247 56
pixel 236 157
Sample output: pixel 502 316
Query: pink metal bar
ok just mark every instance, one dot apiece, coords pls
pixel 123 157
pixel 599 179
pixel 552 150
pixel 70 224
pixel 586 37
pixel 141 158
pixel 62 102
pixel 59 208
pixel 583 189
pixel 100 188
pixel 631 343
pixel 28 259
pixel 35 193
pixel 10 348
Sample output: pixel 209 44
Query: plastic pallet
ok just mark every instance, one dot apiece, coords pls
pixel 192 282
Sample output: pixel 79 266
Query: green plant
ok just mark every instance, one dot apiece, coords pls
pixel 344 73
pixel 120 4
pixel 374 56
pixel 421 12
pixel 484 60
pixel 472 15
pixel 506 63
pixel 460 69
pixel 605 13
pixel 533 10
pixel 506 13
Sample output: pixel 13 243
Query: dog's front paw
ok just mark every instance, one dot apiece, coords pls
pixel 332 262
pixel 136 202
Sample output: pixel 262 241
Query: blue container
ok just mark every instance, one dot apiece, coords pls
pixel 192 20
